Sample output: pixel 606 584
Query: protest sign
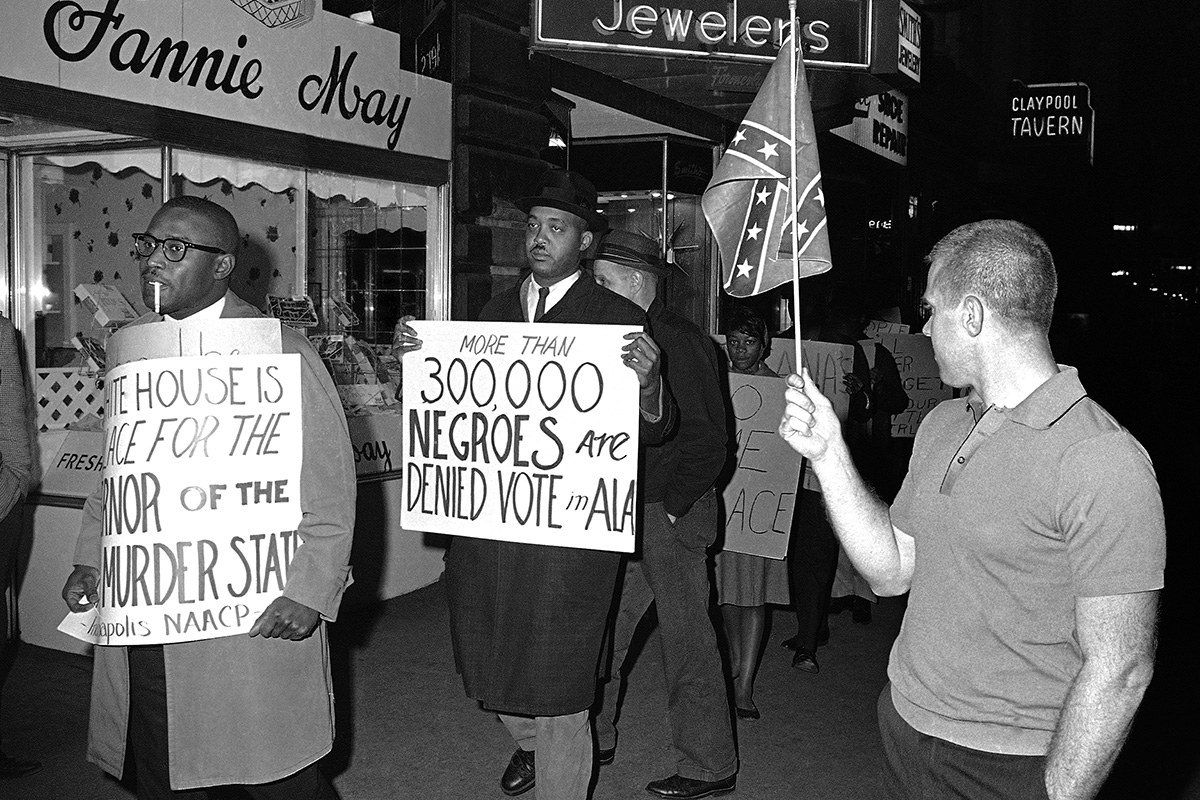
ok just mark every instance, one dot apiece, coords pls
pixel 919 375
pixel 521 433
pixel 173 338
pixel 827 365
pixel 201 483
pixel 877 327
pixel 761 494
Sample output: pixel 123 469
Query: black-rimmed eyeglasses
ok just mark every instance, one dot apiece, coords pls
pixel 173 249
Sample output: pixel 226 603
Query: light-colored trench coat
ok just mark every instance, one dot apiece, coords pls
pixel 243 710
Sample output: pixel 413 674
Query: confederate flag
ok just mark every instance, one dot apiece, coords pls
pixel 746 202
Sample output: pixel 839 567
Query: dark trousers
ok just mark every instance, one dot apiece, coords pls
pixel 673 575
pixel 11 528
pixel 148 742
pixel 812 564
pixel 921 767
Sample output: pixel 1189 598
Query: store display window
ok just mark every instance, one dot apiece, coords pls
pixel 652 186
pixel 336 256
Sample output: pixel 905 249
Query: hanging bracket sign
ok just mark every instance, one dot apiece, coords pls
pixel 1055 115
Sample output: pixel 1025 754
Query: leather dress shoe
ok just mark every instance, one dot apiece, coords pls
pixel 606 757
pixel 679 788
pixel 518 776
pixel 793 642
pixel 805 662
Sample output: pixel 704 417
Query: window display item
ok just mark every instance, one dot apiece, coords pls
pixel 295 312
pixel 345 314
pixel 92 349
pixel 106 304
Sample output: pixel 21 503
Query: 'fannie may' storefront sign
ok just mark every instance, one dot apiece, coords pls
pixel 834 33
pixel 1052 114
pixel 330 78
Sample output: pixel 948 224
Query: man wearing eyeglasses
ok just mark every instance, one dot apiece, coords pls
pixel 251 710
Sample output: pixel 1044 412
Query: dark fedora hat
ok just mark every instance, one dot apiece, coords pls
pixel 568 191
pixel 632 250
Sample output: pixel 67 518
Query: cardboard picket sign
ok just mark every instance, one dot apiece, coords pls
pixel 521 433
pixel 920 376
pixel 828 365
pixel 173 338
pixel 202 462
pixel 877 327
pixel 761 494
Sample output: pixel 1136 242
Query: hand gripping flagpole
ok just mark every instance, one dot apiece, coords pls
pixel 794 53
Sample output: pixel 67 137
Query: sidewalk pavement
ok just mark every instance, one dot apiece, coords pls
pixel 405 729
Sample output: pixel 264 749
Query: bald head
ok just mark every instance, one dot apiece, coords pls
pixel 222 227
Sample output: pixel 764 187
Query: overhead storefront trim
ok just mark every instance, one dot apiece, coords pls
pixel 331 78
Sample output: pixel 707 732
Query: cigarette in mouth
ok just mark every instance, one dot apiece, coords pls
pixel 157 291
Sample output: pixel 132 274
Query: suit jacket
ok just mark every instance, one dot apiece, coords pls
pixel 679 471
pixel 242 710
pixel 15 459
pixel 527 620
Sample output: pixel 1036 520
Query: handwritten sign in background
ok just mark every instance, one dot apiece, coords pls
pixel 202 461
pixel 761 494
pixel 919 375
pixel 878 327
pixel 827 365
pixel 521 433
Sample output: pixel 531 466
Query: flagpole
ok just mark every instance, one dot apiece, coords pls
pixel 794 54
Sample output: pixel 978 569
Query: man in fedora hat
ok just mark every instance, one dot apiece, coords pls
pixel 527 621
pixel 679 522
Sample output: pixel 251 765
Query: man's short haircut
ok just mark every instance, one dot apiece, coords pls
pixel 223 223
pixel 1005 263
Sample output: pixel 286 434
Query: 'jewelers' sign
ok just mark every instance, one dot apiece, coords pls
pixel 834 33
pixel 329 77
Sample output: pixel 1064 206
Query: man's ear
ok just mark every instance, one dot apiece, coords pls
pixel 223 266
pixel 973 312
pixel 585 241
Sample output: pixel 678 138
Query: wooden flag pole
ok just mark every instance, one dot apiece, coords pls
pixel 793 55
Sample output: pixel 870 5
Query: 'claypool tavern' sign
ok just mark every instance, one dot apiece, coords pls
pixel 1052 115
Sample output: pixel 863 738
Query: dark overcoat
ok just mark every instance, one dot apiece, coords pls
pixel 527 620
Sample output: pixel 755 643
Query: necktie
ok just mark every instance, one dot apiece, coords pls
pixel 541 304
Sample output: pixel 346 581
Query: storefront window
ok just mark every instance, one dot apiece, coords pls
pixel 368 257
pixel 652 185
pixel 675 219
pixel 339 257
pixel 6 305
pixel 264 199
pixel 82 210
